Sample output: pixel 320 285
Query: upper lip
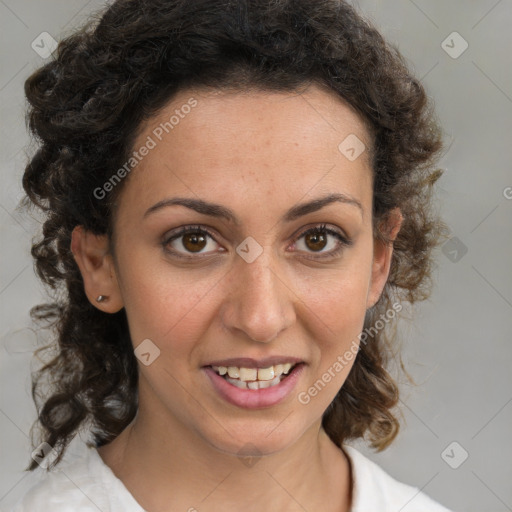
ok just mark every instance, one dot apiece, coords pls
pixel 248 362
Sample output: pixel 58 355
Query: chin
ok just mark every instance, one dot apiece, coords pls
pixel 255 440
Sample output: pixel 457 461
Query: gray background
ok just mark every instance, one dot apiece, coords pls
pixel 457 347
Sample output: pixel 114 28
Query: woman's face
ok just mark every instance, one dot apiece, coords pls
pixel 253 291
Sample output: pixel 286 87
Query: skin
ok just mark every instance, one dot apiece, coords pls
pixel 259 154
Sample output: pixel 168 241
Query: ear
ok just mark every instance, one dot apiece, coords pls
pixel 91 253
pixel 382 254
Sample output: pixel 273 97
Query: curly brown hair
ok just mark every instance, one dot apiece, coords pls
pixel 86 107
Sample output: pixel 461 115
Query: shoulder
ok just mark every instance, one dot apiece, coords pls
pixel 376 490
pixel 77 486
pixel 57 492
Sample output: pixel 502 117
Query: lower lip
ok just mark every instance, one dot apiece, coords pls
pixel 254 398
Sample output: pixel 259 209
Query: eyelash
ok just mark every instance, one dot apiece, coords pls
pixel 320 229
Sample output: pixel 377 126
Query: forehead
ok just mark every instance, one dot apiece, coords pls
pixel 266 146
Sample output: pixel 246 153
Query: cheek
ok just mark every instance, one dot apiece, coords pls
pixel 163 303
pixel 339 296
pixel 338 303
pixel 340 311
pixel 340 299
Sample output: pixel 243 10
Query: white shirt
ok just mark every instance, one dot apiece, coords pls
pixel 89 485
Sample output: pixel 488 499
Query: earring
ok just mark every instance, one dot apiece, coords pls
pixel 101 298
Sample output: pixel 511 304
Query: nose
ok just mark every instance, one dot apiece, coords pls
pixel 259 301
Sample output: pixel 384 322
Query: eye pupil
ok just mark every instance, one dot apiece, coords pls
pixel 318 240
pixel 194 239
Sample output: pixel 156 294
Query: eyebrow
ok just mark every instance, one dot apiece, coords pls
pixel 219 211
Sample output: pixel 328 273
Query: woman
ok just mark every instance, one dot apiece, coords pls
pixel 238 202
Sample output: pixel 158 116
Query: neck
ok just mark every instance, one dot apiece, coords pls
pixel 167 466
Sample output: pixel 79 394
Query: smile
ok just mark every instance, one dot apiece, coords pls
pixel 254 378
pixel 251 387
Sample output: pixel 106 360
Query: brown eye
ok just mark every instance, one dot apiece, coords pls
pixel 189 240
pixel 315 240
pixel 194 242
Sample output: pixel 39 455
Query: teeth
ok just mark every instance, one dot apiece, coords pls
pixel 248 374
pixel 266 373
pixel 234 372
pixel 238 383
pixel 257 384
pixel 269 383
pixel 254 378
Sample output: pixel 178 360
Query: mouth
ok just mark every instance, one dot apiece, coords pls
pixel 254 385
pixel 255 378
